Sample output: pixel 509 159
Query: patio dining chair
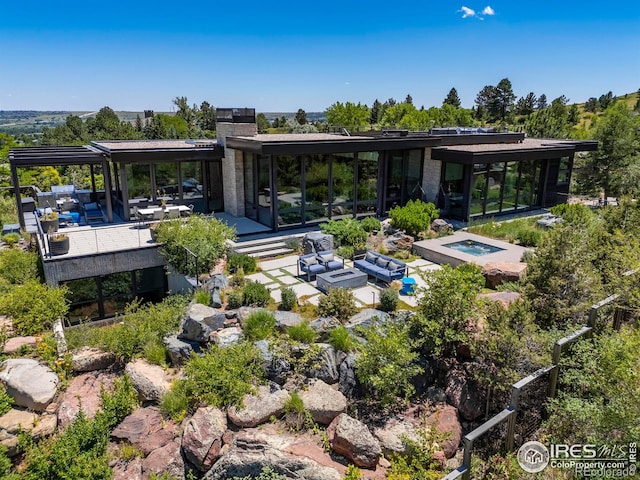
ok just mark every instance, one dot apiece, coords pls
pixel 173 212
pixel 158 214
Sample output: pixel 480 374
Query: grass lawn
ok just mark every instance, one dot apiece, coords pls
pixel 522 231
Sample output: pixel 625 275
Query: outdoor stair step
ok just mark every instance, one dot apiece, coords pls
pixel 260 248
pixel 261 241
pixel 271 253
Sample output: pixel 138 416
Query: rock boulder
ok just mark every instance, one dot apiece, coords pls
pixel 202 437
pixel 150 381
pixel 496 273
pixel 88 359
pixel 352 439
pixel 30 384
pixel 259 408
pixel 323 402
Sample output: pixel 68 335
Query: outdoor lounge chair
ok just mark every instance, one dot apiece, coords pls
pixel 309 264
pixel 92 212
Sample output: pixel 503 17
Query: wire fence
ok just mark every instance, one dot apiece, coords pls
pixel 519 422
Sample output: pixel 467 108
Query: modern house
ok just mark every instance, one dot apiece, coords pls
pixel 280 182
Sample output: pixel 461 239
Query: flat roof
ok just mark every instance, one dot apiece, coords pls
pixel 320 143
pixel 138 145
pixel 527 149
pixel 46 156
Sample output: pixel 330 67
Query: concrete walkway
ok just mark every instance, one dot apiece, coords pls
pixel 282 272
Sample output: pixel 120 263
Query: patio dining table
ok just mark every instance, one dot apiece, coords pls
pixel 148 213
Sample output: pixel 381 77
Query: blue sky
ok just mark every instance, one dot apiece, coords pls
pixel 283 55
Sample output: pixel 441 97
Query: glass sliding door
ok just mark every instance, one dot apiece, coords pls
pixel 495 180
pixel 367 187
pixel 342 185
pixel 412 188
pixel 250 191
pixel 289 179
pixel 215 195
pixel 265 207
pixel 529 184
pixel 454 189
pixel 478 190
pixel 510 188
pixel 394 171
pixel 317 188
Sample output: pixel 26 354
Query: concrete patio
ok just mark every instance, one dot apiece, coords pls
pixel 282 272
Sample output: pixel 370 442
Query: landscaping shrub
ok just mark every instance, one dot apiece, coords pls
pixel 347 231
pixel 34 306
pixel 289 299
pixel 341 339
pixel 386 363
pixel 79 452
pixel 415 217
pixel 346 252
pixel 155 352
pixel 370 224
pixel 302 333
pixel 136 329
pixel 388 300
pixel 202 296
pixel 222 376
pixel 6 402
pixel 18 266
pixel 529 237
pixel 265 474
pixel 255 294
pixel 296 417
pixel 234 298
pixel 259 325
pixel 11 238
pixel 339 303
pixel 246 263
pixel 205 237
pixel 175 402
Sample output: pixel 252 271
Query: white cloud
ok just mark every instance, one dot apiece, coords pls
pixel 488 11
pixel 467 12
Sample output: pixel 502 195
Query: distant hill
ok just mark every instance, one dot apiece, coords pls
pixel 15 122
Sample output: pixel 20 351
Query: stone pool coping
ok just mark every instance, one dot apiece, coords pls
pixel 434 250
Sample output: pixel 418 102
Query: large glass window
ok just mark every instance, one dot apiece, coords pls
pixel 83 299
pixel 510 189
pixel 191 180
pixel 529 184
pixel 289 190
pixel 413 177
pixel 394 179
pixel 317 188
pixel 138 180
pixel 167 181
pixel 478 189
pixel 367 190
pixel 495 179
pixel 454 189
pixel 564 171
pixel 264 190
pixel 342 174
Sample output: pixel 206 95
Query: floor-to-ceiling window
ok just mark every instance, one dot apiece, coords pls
pixel 453 190
pixel 394 171
pixel 289 178
pixel 478 189
pixel 250 187
pixel 265 207
pixel 342 185
pixel 510 188
pixel 317 188
pixel 495 181
pixel 367 186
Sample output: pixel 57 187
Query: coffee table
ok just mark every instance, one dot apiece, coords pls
pixel 345 278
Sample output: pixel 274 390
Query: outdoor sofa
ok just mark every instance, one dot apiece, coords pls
pixel 314 263
pixel 381 267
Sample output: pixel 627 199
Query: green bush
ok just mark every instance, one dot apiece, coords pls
pixel 415 217
pixel 529 237
pixel 347 231
pixel 289 299
pixel 204 236
pixel 388 300
pixel 370 224
pixel 80 451
pixel 34 306
pixel 296 416
pixel 265 474
pixel 302 333
pixel 346 252
pixel 341 339
pixel 255 294
pixel 259 325
pixel 5 400
pixel 223 376
pixel 246 263
pixel 202 296
pixel 18 266
pixel 234 298
pixel 155 352
pixel 386 364
pixel 353 473
pixel 175 402
pixel 11 238
pixel 138 328
pixel 339 303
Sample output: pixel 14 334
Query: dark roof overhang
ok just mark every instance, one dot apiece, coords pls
pixel 133 155
pixel 52 156
pixel 301 147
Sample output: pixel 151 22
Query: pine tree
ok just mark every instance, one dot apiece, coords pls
pixel 452 98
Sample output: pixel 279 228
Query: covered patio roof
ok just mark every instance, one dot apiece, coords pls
pixel 45 156
pixel 528 149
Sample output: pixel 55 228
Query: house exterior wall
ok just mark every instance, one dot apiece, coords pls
pixel 57 271
pixel 233 165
